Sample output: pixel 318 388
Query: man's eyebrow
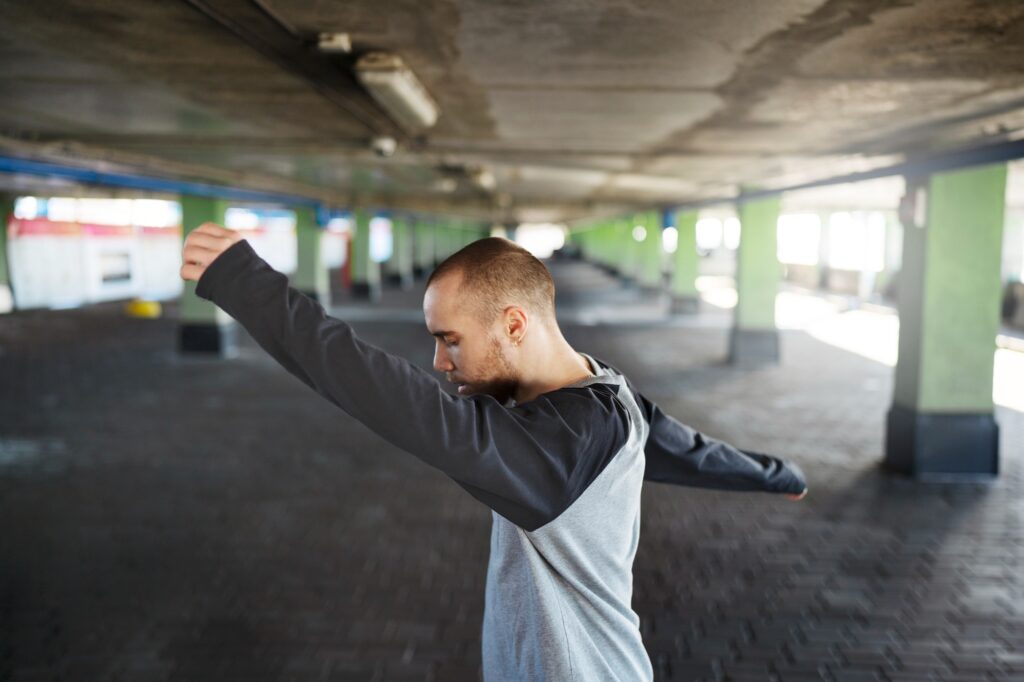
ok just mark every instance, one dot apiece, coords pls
pixel 440 334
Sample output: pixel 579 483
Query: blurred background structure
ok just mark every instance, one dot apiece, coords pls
pixel 797 225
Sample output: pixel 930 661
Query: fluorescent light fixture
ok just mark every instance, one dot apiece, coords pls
pixel 397 89
pixel 484 179
pixel 335 43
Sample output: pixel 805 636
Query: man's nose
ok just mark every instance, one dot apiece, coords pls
pixel 441 361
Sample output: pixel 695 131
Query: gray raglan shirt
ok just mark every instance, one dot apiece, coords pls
pixel 561 473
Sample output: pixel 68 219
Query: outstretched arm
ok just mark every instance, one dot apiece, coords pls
pixel 681 455
pixel 525 463
pixel 677 453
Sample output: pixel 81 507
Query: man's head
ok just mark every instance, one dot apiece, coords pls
pixel 485 306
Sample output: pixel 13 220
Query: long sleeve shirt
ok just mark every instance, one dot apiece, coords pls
pixel 561 473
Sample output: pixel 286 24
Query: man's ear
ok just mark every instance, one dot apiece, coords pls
pixel 516 323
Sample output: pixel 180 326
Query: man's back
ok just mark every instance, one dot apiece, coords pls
pixel 558 598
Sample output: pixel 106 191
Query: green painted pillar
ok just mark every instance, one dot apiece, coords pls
pixel 440 242
pixel 941 423
pixel 591 244
pixel 452 241
pixel 365 270
pixel 423 249
pixel 754 340
pixel 202 326
pixel 685 263
pixel 824 249
pixel 469 234
pixel 587 244
pixel 617 248
pixel 399 266
pixel 438 231
pixel 6 289
pixel 649 273
pixel 893 254
pixel 311 277
pixel 629 251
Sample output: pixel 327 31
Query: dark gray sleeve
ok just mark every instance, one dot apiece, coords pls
pixel 527 463
pixel 681 455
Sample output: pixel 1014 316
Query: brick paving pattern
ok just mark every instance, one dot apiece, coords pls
pixel 180 518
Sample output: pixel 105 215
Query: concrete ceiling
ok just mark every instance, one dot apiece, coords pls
pixel 577 108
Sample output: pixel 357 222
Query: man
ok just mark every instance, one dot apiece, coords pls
pixel 556 443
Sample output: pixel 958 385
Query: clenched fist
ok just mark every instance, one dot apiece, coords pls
pixel 202 246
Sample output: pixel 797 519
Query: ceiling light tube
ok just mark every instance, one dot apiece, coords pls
pixel 397 89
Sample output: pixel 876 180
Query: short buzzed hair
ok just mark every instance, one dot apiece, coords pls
pixel 497 273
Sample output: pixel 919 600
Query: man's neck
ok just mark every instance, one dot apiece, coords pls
pixel 565 367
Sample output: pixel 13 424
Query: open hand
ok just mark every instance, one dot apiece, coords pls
pixel 202 246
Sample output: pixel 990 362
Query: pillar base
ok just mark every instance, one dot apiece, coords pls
pixel 213 338
pixel 935 445
pixel 685 305
pixel 753 347
pixel 403 281
pixel 366 291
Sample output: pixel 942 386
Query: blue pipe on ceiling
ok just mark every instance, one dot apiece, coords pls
pixel 10 164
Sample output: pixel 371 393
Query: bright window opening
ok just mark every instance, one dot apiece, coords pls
pixel 670 239
pixel 799 235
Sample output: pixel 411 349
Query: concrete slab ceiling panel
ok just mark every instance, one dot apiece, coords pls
pixel 651 187
pixel 625 123
pixel 883 194
pixel 542 181
pixel 616 46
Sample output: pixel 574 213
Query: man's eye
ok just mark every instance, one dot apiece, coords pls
pixel 452 342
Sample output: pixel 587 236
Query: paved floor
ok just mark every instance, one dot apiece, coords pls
pixel 180 518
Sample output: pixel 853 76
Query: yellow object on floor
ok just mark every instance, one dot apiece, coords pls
pixel 138 307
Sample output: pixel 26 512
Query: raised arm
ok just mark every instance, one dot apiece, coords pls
pixel 524 463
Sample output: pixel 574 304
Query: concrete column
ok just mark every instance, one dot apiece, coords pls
pixel 685 263
pixel 587 238
pixel 202 326
pixel 754 340
pixel 459 236
pixel 441 237
pixel 399 266
pixel 620 248
pixel 629 249
pixel 438 241
pixel 6 290
pixel 592 244
pixel 365 271
pixel 893 256
pixel 941 423
pixel 422 249
pixel 649 266
pixel 311 277
pixel 824 247
pixel 469 234
pixel 647 276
